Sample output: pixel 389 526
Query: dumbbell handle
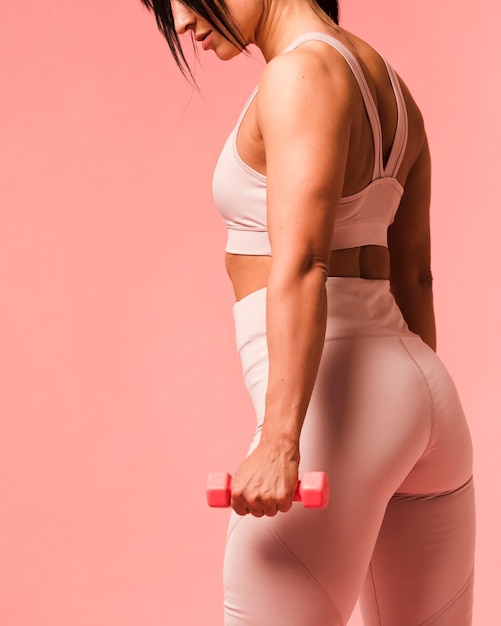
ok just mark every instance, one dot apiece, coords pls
pixel 312 490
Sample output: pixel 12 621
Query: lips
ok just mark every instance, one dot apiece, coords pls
pixel 202 38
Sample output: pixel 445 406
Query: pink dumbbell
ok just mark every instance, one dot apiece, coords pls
pixel 312 490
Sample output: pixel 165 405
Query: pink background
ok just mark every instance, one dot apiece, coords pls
pixel 120 387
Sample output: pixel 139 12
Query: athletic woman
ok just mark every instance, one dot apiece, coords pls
pixel 324 185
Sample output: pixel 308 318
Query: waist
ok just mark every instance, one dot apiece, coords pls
pixel 249 273
pixel 356 307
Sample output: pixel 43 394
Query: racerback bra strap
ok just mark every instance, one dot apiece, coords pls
pixel 401 133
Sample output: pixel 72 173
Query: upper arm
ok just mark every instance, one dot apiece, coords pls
pixel 409 235
pixel 409 245
pixel 303 117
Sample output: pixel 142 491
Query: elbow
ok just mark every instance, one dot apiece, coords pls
pixel 412 278
pixel 315 266
pixel 411 289
pixel 310 268
pixel 319 264
pixel 425 278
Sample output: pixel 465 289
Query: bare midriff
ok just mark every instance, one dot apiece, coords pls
pixel 250 273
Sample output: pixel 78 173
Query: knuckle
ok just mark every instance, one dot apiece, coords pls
pixel 253 502
pixel 284 503
pixel 238 503
pixel 239 509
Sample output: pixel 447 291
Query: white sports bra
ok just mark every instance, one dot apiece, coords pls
pixel 361 219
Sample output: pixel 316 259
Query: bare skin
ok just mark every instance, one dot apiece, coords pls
pixel 307 131
pixel 249 273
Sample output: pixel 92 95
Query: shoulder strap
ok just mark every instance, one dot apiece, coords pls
pixel 244 110
pixel 402 132
pixel 369 103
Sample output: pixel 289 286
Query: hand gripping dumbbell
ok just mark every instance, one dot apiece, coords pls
pixel 312 490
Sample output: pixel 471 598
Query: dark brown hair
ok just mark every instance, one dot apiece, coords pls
pixel 216 13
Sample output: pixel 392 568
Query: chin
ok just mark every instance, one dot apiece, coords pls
pixel 226 57
pixel 226 52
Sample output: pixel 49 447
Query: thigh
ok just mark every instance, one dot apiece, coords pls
pixel 367 424
pixel 421 572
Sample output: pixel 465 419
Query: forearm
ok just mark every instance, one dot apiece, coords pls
pixel 295 326
pixel 415 300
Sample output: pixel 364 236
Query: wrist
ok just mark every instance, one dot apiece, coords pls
pixel 283 419
pixel 282 436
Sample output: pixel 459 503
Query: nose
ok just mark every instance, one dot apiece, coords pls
pixel 184 19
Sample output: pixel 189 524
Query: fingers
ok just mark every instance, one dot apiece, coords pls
pixel 259 505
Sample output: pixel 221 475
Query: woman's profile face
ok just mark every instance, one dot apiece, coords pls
pixel 245 14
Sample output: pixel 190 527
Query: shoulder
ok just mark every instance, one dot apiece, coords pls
pixel 311 77
pixel 312 65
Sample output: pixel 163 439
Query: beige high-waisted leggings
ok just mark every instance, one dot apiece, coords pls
pixel 386 424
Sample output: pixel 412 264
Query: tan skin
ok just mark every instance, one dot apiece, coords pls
pixel 307 131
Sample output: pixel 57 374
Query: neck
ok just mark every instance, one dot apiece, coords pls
pixel 284 20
